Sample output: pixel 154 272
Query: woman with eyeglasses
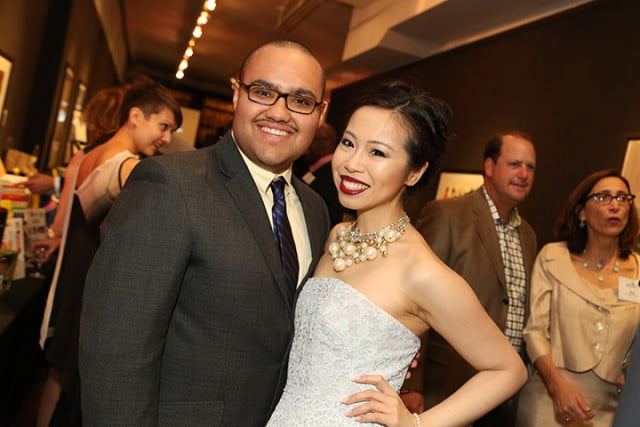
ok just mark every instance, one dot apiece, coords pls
pixel 583 312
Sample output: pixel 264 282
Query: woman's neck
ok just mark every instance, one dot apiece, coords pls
pixel 372 221
pixel 601 250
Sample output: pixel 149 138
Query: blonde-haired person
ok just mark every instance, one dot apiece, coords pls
pixel 581 325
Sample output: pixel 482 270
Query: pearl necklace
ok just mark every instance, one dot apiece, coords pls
pixel 352 246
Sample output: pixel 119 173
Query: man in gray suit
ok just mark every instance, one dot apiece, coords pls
pixel 187 319
pixel 481 236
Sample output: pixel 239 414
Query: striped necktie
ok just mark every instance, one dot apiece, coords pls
pixel 284 237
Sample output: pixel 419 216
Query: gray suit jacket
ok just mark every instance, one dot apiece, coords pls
pixel 462 233
pixel 628 412
pixel 185 319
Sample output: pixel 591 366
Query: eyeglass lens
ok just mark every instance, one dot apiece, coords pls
pixel 296 103
pixel 606 198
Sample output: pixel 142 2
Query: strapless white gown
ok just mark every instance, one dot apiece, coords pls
pixel 339 334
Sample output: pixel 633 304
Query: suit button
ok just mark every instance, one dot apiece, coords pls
pixel 505 301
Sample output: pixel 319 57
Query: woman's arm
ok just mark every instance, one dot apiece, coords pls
pixel 453 310
pixel 447 303
pixel 568 400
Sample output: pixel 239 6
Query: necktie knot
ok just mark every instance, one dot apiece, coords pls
pixel 277 187
pixel 284 236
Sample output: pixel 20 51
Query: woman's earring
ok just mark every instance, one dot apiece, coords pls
pixel 581 224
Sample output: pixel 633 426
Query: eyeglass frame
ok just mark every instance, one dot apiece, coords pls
pixel 627 198
pixel 249 87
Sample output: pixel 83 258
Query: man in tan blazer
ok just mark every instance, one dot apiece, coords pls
pixel 481 236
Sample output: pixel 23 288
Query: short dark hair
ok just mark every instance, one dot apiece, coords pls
pixel 150 97
pixel 568 227
pixel 426 119
pixel 286 44
pixel 493 148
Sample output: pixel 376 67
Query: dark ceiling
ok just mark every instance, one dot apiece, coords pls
pixel 351 38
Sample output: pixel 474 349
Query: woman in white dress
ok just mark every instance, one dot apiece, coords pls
pixel 582 323
pixel 379 287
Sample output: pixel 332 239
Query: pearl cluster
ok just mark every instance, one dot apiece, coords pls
pixel 352 246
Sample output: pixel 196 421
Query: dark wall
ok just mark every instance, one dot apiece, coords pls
pixel 21 29
pixel 572 81
pixel 41 41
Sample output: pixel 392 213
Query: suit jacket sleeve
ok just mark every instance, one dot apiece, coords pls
pixel 628 410
pixel 130 293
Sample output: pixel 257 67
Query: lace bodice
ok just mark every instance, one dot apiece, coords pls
pixel 339 334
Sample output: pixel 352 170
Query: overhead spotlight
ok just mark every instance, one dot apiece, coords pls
pixel 203 18
pixel 210 5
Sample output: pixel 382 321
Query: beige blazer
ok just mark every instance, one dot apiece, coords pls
pixel 582 326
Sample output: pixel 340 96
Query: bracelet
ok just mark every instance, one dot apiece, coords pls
pixel 417 419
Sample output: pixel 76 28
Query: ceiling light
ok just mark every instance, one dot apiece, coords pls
pixel 210 5
pixel 203 19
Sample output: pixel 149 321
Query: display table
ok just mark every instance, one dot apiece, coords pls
pixel 21 311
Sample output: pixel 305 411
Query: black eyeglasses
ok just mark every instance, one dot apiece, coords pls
pixel 606 198
pixel 265 96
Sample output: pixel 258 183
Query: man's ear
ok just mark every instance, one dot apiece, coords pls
pixel 489 164
pixel 236 93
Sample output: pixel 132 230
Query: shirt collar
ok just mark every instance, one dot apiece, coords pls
pixel 514 217
pixel 263 177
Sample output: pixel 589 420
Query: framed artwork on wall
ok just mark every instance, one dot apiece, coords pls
pixel 77 133
pixel 5 72
pixel 455 184
pixel 62 119
pixel 631 166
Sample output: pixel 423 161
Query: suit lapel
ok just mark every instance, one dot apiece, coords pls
pixel 488 235
pixel 245 195
pixel 316 221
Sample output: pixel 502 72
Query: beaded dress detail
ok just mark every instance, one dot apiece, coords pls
pixel 339 334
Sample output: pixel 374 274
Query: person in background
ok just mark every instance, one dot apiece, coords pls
pixel 582 321
pixel 102 115
pixel 42 183
pixel 378 286
pixel 482 237
pixel 147 114
pixel 188 308
pixel 318 176
pixel 628 412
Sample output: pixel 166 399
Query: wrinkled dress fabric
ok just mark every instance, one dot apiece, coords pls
pixel 339 335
